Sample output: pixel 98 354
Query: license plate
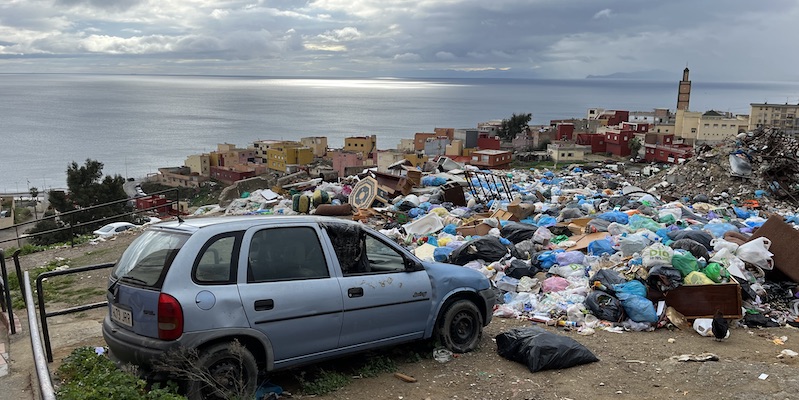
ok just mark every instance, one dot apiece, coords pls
pixel 121 316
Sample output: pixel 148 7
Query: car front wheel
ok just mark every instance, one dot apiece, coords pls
pixel 225 371
pixel 460 327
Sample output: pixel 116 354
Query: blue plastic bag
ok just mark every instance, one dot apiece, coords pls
pixel 441 254
pixel 451 229
pixel 548 258
pixel 741 213
pixel 615 216
pixel 638 308
pixel 599 247
pixel 718 229
pixel 546 220
pixel 632 287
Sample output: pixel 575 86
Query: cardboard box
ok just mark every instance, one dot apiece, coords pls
pixel 504 215
pixel 702 301
pixel 473 229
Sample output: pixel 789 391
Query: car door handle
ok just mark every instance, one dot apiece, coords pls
pixel 261 305
pixel 355 292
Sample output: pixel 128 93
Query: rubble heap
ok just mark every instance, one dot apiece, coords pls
pixel 761 165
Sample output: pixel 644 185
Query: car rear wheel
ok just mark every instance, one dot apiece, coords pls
pixel 226 370
pixel 460 327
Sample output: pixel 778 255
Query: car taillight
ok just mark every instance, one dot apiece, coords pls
pixel 170 317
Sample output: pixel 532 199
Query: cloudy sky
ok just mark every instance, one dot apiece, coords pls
pixel 729 40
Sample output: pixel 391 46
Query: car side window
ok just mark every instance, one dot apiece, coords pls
pixel 381 257
pixel 216 261
pixel 286 254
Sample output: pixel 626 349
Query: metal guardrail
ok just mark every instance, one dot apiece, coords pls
pixel 42 370
pixel 43 314
pixel 68 218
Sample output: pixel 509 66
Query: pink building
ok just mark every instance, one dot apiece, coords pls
pixel 346 159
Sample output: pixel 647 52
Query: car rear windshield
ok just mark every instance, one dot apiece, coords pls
pixel 148 257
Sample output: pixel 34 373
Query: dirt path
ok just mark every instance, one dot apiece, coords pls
pixel 632 365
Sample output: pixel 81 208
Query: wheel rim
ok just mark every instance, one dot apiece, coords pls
pixel 225 375
pixel 462 328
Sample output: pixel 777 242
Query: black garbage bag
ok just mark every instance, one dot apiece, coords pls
pixel 541 350
pixel 517 232
pixel 559 230
pixel 518 268
pixel 664 278
pixel 702 237
pixel 759 320
pixel 646 210
pixel 486 248
pixel 618 201
pixel 692 246
pixel 570 213
pixel 607 278
pixel 604 306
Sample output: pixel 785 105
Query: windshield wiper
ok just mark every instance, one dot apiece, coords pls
pixel 128 278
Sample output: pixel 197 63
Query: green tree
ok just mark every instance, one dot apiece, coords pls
pixel 87 187
pixel 514 126
pixel 635 146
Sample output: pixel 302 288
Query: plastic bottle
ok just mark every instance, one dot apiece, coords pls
pixel 570 324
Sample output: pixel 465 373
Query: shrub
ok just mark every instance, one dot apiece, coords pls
pixel 86 375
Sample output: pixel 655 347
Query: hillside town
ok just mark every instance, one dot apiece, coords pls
pixel 658 136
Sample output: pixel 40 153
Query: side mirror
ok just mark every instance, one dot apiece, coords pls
pixel 413 265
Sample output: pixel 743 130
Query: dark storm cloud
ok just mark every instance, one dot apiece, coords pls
pixel 542 38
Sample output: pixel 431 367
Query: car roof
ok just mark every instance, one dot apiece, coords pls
pixel 247 221
pixel 119 223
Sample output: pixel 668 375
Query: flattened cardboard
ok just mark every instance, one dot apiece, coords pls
pixel 784 240
pixel 582 241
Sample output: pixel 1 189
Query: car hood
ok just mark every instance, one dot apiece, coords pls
pixel 454 276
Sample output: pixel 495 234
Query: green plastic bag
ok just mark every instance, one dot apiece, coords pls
pixel 638 221
pixel 716 272
pixel 667 219
pixel 684 261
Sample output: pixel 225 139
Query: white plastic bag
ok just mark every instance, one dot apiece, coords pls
pixel 704 326
pixel 719 244
pixel 657 254
pixel 756 252
pixel 542 235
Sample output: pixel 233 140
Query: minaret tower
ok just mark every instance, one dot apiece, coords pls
pixel 684 92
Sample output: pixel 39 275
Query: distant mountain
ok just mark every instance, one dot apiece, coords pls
pixel 655 74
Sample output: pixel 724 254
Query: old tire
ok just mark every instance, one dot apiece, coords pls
pixel 233 369
pixel 460 327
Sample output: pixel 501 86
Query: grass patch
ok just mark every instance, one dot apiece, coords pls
pixel 334 375
pixel 85 375
pixel 58 288
pixel 322 382
pixel 29 248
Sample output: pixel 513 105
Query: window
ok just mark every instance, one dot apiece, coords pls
pixel 216 261
pixel 285 254
pixel 707 125
pixel 381 257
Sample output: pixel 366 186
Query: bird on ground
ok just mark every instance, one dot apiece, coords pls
pixel 719 327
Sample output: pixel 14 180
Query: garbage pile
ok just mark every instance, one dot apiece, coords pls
pixel 751 165
pixel 586 249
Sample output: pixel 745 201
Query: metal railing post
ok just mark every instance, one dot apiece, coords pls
pixel 7 292
pixel 42 370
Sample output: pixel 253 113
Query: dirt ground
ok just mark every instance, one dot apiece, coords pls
pixel 632 365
